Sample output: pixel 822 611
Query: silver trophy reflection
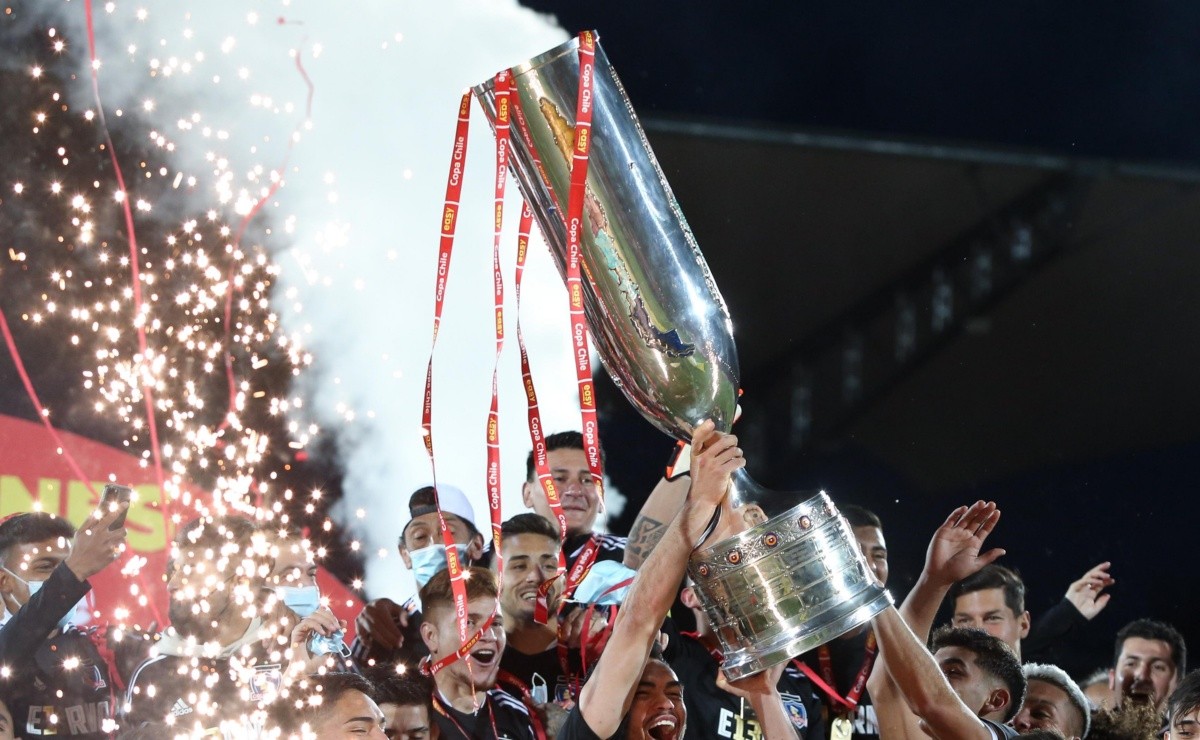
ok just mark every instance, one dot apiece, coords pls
pixel 789 575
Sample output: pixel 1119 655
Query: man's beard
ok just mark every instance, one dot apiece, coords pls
pixel 204 626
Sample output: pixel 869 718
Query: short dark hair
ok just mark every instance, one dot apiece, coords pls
pixel 993 656
pixel 1152 629
pixel 289 715
pixel 230 535
pixel 1185 698
pixel 425 497
pixel 529 523
pixel 993 576
pixel 1043 734
pixel 860 517
pixel 410 689
pixel 30 527
pixel 558 441
pixel 439 594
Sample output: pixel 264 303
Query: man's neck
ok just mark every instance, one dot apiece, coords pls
pixel 231 629
pixel 462 695
pixel 578 536
pixel 530 638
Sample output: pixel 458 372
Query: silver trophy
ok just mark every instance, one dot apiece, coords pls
pixel 782 577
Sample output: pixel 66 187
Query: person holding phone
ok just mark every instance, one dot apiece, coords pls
pixel 52 677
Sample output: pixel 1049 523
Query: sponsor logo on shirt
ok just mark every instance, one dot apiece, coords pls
pixel 74 719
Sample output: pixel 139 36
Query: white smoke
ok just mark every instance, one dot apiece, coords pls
pixel 355 225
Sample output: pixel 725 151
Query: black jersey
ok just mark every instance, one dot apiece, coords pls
pixel 575 728
pixel 847 656
pixel 57 685
pixel 204 695
pixel 375 662
pixel 548 666
pixel 608 547
pixel 713 713
pixel 501 717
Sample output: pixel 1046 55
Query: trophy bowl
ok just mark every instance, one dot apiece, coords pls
pixel 787 574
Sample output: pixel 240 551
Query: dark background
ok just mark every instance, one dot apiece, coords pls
pixel 825 153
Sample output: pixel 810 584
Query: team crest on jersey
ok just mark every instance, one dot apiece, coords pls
pixel 796 711
pixel 266 681
pixel 93 678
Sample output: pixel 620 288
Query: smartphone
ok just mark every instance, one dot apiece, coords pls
pixel 114 496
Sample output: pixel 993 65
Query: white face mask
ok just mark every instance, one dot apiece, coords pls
pixel 35 586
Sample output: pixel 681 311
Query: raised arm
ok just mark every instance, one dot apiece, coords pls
pixel 925 689
pixel 953 554
pixel 660 508
pixel 714 458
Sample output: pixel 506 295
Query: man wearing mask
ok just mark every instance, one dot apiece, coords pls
pixel 52 677
pixel 293 579
pixel 388 633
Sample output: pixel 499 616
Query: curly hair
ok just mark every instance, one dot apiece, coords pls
pixel 1133 721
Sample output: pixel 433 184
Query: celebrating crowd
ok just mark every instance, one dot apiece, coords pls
pixel 538 635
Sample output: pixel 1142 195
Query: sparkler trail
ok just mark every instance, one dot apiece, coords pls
pixel 269 243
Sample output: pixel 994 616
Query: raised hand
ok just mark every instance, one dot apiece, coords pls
pixel 954 551
pixel 715 457
pixel 1086 594
pixel 381 624
pixel 95 545
pixel 763 683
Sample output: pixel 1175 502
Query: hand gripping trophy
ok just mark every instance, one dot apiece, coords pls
pixel 780 575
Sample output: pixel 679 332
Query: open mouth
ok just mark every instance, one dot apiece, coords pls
pixel 663 727
pixel 484 656
pixel 529 595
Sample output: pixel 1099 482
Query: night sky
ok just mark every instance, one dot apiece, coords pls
pixel 1113 80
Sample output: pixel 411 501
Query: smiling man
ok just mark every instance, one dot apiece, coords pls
pixel 580 502
pixel 388 634
pixel 529 546
pixel 633 694
pixel 466 704
pixel 1053 702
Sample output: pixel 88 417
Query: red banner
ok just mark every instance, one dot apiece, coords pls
pixel 34 475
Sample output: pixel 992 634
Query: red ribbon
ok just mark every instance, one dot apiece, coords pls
pixel 503 86
pixel 536 437
pixel 577 194
pixel 458 158
pixel 850 702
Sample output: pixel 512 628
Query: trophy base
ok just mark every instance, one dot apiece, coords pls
pixel 785 586
pixel 797 641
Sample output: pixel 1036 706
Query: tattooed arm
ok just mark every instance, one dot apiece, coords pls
pixel 664 503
